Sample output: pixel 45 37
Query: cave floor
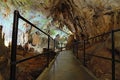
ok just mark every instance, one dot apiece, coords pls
pixel 66 67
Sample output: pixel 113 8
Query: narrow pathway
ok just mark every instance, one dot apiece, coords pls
pixel 66 67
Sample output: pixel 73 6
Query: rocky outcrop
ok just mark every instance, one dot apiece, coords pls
pixel 4 59
pixel 102 68
pixel 31 69
pixel 116 41
pixel 28 70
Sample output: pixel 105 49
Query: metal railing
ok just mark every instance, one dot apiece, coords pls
pixel 14 62
pixel 113 60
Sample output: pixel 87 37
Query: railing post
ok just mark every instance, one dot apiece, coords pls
pixel 54 44
pixel 48 53
pixel 84 56
pixel 73 47
pixel 61 46
pixel 14 46
pixel 77 49
pixel 113 55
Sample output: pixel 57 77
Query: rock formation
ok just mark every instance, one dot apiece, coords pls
pixel 28 70
pixel 4 59
pixel 84 19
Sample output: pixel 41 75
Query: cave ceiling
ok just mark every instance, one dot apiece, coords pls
pixel 87 17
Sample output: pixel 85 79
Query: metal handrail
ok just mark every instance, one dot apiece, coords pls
pixel 20 61
pixel 98 35
pixel 113 48
pixel 103 34
pixel 14 44
pixel 34 25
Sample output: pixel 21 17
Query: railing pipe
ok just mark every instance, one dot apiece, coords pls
pixel 13 61
pixel 23 60
pixel 61 46
pixel 84 55
pixel 103 34
pixel 34 26
pixel 73 47
pixel 54 44
pixel 14 46
pixel 77 49
pixel 48 53
pixel 113 55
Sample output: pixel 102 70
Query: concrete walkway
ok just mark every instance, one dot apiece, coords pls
pixel 65 67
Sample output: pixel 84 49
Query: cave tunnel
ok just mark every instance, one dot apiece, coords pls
pixel 59 39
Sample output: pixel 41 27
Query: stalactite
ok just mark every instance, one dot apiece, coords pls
pixel 77 22
pixel 86 16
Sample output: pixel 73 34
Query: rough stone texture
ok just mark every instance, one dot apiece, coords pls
pixel 88 17
pixel 70 42
pixel 4 61
pixel 116 40
pixel 28 70
pixel 100 67
pixel 31 69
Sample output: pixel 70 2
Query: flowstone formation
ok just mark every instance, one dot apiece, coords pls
pixel 4 61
